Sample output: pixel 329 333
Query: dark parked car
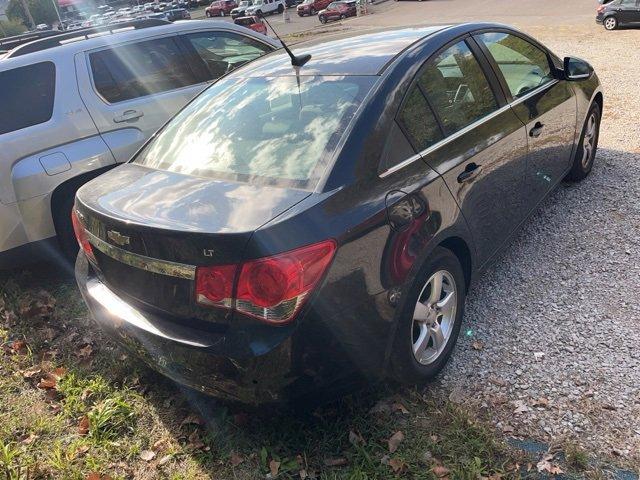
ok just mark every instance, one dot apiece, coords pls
pixel 337 11
pixel 220 8
pixel 239 11
pixel 253 23
pixel 619 13
pixel 294 228
pixel 177 14
pixel 311 7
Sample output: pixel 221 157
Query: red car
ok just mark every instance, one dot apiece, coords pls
pixel 311 7
pixel 220 8
pixel 337 11
pixel 253 22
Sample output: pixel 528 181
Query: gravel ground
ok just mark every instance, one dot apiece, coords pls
pixel 553 328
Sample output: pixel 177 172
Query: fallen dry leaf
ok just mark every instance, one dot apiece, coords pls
pixel 397 465
pixel 541 402
pixel 477 345
pixel 159 445
pixel 192 419
pixel 274 467
pixel 85 352
pixel 195 442
pixel 507 429
pixel 164 460
pixel 147 455
pixel 395 441
pixel 546 466
pixel 399 407
pixel 336 462
pixel 28 439
pixel 235 459
pixel 440 471
pixel 83 426
pixel 355 438
pixel 31 372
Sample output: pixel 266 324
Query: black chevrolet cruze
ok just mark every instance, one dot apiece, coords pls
pixel 295 227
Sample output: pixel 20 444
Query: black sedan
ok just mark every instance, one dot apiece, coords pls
pixel 619 13
pixel 298 227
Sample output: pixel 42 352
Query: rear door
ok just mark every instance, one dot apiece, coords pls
pixel 626 11
pixel 131 90
pixel 546 105
pixel 477 143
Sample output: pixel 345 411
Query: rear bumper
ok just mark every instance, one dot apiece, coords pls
pixel 599 20
pixel 285 364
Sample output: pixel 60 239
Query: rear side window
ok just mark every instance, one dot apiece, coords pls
pixel 145 68
pixel 221 52
pixel 26 96
pixel 417 120
pixel 457 88
pixel 523 65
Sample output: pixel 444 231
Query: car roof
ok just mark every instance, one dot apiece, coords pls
pixel 366 53
pixel 128 34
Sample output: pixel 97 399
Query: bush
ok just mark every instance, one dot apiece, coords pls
pixel 9 28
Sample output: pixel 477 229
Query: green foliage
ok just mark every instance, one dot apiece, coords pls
pixel 110 419
pixel 11 27
pixel 42 11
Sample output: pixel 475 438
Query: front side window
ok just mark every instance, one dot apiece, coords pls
pixel 277 130
pixel 26 96
pixel 417 120
pixel 221 52
pixel 457 88
pixel 140 69
pixel 523 65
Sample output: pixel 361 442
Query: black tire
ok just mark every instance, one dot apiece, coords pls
pixel 343 16
pixel 207 14
pixel 322 19
pixel 280 8
pixel 312 11
pixel 610 23
pixel 259 13
pixel 582 165
pixel 64 228
pixel 404 366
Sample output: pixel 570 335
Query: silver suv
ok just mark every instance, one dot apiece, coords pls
pixel 76 104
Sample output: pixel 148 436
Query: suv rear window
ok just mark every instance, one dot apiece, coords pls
pixel 262 130
pixel 140 69
pixel 33 86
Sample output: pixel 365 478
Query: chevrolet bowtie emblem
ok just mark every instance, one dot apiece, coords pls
pixel 118 238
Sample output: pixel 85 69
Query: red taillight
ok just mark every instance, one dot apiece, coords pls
pixel 272 289
pixel 81 235
pixel 600 9
pixel 214 285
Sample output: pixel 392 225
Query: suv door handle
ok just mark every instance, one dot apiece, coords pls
pixel 128 116
pixel 536 131
pixel 470 171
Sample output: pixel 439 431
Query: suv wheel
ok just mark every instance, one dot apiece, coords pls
pixel 207 14
pixel 313 11
pixel 430 319
pixel 280 8
pixel 610 23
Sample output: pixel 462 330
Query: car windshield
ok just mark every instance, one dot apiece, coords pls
pixel 279 131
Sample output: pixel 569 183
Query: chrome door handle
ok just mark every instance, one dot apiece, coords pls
pixel 128 116
pixel 536 131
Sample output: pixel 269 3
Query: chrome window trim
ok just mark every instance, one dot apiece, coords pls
pixel 153 265
pixel 468 128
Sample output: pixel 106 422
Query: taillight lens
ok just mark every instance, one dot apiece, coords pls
pixel 600 9
pixel 214 285
pixel 272 289
pixel 81 235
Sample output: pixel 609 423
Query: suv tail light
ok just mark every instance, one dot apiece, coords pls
pixel 81 235
pixel 272 289
pixel 601 9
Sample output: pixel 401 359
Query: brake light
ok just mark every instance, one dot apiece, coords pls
pixel 272 289
pixel 81 235
pixel 214 285
pixel 600 9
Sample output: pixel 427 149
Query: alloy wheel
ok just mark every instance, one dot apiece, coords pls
pixel 610 23
pixel 589 140
pixel 434 317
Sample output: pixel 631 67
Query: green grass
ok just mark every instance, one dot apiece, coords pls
pixel 132 410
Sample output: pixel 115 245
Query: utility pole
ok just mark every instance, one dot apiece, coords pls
pixel 55 7
pixel 28 12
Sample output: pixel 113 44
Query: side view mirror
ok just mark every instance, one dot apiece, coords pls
pixel 576 69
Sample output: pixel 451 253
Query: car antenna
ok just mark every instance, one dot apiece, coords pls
pixel 296 60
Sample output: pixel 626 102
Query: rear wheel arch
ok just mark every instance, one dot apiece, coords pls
pixel 461 250
pixel 599 99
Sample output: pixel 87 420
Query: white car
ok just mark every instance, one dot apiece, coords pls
pixel 265 7
pixel 74 107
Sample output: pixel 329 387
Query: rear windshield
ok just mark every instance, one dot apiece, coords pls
pixel 279 131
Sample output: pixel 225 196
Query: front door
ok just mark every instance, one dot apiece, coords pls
pixel 476 142
pixel 546 106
